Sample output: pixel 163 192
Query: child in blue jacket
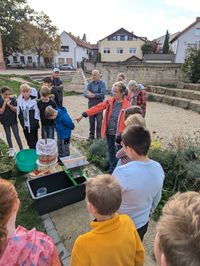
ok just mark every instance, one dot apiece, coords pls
pixel 64 126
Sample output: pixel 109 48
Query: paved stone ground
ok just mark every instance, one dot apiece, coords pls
pixel 73 220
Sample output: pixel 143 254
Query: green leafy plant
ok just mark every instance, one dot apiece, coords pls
pixel 191 66
pixel 181 164
pixel 98 154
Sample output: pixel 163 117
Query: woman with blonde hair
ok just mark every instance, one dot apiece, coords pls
pixel 113 120
pixel 19 246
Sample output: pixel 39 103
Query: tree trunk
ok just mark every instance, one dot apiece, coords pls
pixel 39 56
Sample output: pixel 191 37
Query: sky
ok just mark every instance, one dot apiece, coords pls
pixel 98 19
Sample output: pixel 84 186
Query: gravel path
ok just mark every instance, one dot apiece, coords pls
pixel 167 121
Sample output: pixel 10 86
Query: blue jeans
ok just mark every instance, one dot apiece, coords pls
pixel 112 152
pixel 49 129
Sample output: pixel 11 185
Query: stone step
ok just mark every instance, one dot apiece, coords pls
pixel 49 73
pixel 180 93
pixel 63 75
pixel 188 86
pixel 175 101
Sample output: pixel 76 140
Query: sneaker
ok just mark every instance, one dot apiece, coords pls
pixel 11 152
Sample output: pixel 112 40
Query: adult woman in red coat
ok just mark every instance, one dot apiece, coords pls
pixel 114 118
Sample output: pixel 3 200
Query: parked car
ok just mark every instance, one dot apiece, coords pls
pixel 16 64
pixel 66 67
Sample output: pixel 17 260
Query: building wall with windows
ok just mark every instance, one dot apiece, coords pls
pixel 67 51
pixel 120 50
pixel 188 39
pixel 28 58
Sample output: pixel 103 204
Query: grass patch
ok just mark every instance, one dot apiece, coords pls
pixel 71 93
pixel 5 80
pixel 27 216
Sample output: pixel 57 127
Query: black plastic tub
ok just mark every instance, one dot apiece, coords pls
pixel 60 191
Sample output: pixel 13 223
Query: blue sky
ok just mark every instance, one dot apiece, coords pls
pixel 100 18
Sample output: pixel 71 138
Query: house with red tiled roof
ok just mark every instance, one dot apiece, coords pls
pixel 186 39
pixel 121 45
pixel 73 50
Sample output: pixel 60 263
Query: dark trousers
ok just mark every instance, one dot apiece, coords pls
pixel 49 129
pixel 63 147
pixel 15 131
pixel 31 137
pixel 142 231
pixel 112 152
pixel 98 118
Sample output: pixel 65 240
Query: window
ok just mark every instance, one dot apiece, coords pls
pixel 122 38
pixel 14 58
pixel 106 50
pixel 132 50
pixel 22 59
pixel 61 61
pixel 29 59
pixel 119 50
pixel 197 32
pixel 64 48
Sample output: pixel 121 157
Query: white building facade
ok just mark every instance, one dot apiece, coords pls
pixel 73 50
pixel 188 38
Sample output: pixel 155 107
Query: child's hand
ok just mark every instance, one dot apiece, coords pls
pixel 78 119
pixel 6 100
pixel 8 103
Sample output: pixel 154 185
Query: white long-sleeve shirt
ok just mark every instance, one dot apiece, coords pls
pixel 141 184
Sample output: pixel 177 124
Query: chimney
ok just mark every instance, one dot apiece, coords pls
pixel 198 18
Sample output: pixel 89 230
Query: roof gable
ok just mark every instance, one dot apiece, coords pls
pixel 186 29
pixel 78 41
pixel 122 31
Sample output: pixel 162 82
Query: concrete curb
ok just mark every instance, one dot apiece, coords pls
pixel 52 232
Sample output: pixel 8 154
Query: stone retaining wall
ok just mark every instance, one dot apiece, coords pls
pixel 155 74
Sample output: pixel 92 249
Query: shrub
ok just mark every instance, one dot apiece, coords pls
pixel 191 66
pixel 97 153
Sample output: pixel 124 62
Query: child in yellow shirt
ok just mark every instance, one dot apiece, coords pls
pixel 113 239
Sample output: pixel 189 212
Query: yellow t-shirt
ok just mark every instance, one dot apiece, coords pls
pixel 114 242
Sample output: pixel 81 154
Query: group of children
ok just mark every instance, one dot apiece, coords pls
pixel 121 203
pixel 31 107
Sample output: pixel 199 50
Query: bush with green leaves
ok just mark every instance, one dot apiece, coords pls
pixel 182 171
pixel 97 153
pixel 191 66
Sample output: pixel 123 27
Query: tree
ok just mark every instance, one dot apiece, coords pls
pixel 12 13
pixel 40 36
pixel 147 48
pixel 166 43
pixel 84 37
pixel 191 66
pixel 98 57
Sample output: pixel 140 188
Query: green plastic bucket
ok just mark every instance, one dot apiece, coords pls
pixel 26 160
